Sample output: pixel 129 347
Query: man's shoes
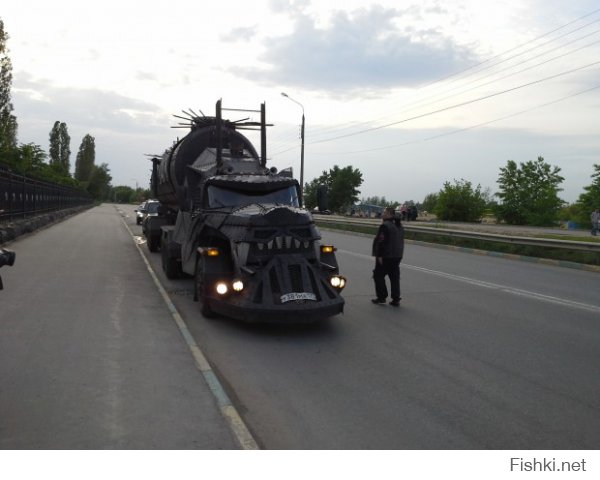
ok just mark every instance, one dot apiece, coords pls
pixel 378 300
pixel 395 303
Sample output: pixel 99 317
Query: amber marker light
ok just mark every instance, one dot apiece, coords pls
pixel 328 249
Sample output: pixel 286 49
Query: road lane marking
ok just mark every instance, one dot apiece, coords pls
pixel 234 420
pixel 494 286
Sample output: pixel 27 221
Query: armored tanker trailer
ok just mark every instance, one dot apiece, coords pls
pixel 237 227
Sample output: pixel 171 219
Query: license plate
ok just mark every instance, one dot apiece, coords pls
pixel 288 297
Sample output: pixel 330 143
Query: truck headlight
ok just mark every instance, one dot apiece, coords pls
pixel 337 281
pixel 221 288
pixel 238 285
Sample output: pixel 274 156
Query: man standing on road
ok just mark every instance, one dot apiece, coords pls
pixel 388 248
pixel 595 217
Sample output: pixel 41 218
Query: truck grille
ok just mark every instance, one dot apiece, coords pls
pixel 279 278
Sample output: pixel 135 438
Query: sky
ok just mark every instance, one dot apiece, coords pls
pixel 412 93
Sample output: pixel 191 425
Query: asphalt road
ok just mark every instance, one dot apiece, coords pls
pixel 484 353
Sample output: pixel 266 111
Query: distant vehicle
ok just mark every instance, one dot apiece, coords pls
pixel 139 214
pixel 321 212
pixel 412 213
pixel 408 212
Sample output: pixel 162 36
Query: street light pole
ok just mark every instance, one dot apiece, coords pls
pixel 301 149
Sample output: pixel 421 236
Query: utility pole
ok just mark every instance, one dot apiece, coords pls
pixel 301 149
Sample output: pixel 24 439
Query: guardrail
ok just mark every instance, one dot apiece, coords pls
pixel 590 247
pixel 22 196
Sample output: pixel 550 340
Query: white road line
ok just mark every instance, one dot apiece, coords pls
pixel 239 429
pixel 493 286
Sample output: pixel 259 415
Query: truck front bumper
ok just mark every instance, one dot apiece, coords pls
pixel 287 289
pixel 295 311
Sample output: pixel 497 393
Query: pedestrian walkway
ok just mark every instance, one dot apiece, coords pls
pixel 89 355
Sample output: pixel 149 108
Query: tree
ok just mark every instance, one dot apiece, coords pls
pixel 8 122
pixel 342 186
pixel 31 159
pixel 589 200
pixel 65 151
pixel 429 202
pixel 60 150
pixel 460 202
pixel 86 156
pixel 529 193
pixel 126 194
pixel 310 193
pixel 99 183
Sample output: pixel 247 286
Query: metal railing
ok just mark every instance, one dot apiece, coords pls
pixel 22 196
pixel 591 247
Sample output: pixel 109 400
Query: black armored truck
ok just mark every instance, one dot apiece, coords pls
pixel 238 227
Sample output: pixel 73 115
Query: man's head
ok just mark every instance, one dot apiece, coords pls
pixel 388 212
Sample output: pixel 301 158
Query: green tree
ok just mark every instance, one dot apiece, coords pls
pixel 342 187
pixel 529 193
pixel 310 193
pixel 460 202
pixel 429 202
pixel 60 149
pixel 99 184
pixel 65 150
pixel 589 200
pixel 8 122
pixel 31 159
pixel 126 194
pixel 86 156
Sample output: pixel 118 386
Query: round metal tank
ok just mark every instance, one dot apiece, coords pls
pixel 171 189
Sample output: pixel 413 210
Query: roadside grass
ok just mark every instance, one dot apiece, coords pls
pixel 581 238
pixel 558 254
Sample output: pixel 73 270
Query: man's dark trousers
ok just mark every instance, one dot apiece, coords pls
pixel 391 268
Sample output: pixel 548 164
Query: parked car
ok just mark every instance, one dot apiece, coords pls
pixel 139 214
pixel 152 223
pixel 322 212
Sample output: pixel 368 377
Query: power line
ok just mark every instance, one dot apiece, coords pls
pixel 458 105
pixel 453 132
pixel 324 131
pixel 523 70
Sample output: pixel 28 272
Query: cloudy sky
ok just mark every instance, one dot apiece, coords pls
pixel 413 94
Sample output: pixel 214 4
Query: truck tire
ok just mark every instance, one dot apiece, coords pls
pixel 153 243
pixel 199 290
pixel 170 266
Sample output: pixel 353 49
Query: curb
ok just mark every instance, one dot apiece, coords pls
pixel 238 428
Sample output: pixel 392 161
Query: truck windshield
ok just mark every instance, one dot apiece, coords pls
pixel 225 197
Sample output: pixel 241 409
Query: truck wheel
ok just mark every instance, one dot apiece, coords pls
pixel 153 243
pixel 199 287
pixel 170 266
